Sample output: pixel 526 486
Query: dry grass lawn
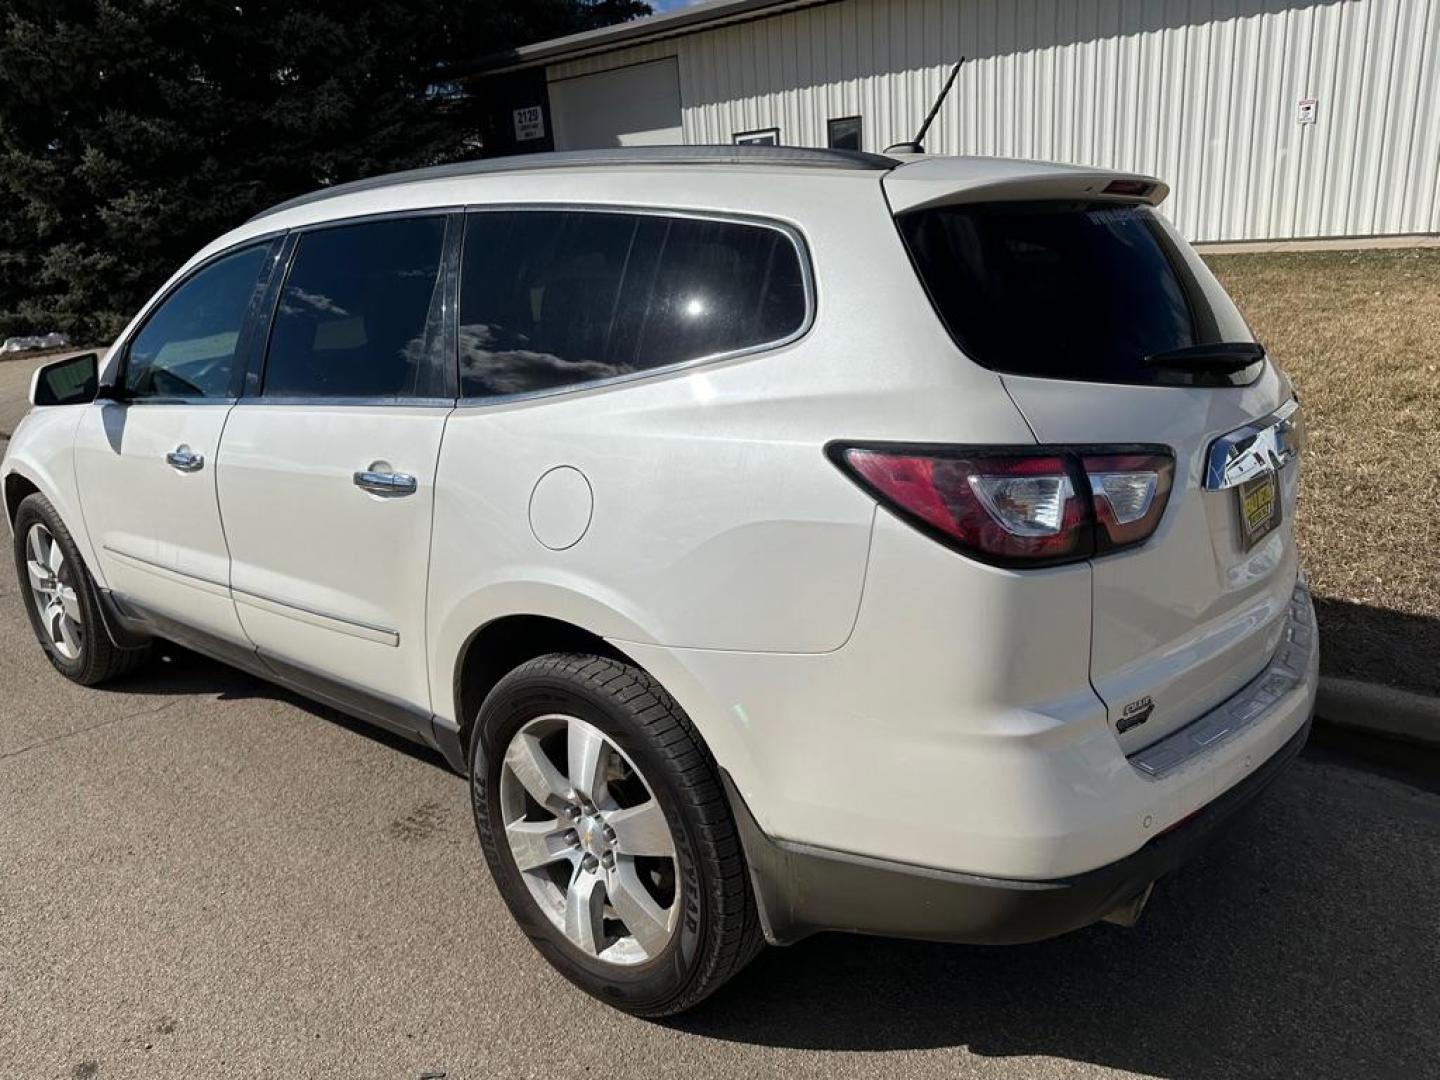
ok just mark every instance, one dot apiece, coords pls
pixel 1359 333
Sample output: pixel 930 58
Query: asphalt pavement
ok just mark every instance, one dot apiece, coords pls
pixel 15 372
pixel 204 876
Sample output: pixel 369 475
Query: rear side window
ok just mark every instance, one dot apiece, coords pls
pixel 361 313
pixel 186 349
pixel 1059 290
pixel 556 298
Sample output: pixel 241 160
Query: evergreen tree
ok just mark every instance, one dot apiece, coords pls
pixel 132 131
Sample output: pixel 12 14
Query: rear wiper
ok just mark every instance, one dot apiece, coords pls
pixel 1221 356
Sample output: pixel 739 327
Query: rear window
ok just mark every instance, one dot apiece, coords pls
pixel 360 316
pixel 557 298
pixel 1060 290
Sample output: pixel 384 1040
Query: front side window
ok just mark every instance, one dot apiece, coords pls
pixel 555 298
pixel 360 315
pixel 186 349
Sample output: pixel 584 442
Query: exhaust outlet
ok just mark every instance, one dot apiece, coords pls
pixel 1128 913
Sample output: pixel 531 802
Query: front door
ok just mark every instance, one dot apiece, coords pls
pixel 326 475
pixel 145 464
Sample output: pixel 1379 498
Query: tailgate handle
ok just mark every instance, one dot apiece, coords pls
pixel 1267 445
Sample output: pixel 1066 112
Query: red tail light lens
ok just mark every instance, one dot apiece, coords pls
pixel 1130 492
pixel 1026 507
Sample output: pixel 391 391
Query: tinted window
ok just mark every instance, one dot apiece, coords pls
pixel 360 314
pixel 187 346
pixel 1069 291
pixel 557 298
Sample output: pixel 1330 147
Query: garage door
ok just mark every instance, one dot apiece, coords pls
pixel 637 105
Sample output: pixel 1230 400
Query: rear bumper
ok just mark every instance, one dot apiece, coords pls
pixel 802 890
pixel 1211 768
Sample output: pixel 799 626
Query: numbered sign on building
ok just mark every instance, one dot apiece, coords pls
pixel 529 123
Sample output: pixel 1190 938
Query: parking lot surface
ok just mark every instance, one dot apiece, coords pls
pixel 15 372
pixel 203 876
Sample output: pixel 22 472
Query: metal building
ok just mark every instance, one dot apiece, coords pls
pixel 1270 118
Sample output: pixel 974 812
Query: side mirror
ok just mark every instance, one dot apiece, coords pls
pixel 72 381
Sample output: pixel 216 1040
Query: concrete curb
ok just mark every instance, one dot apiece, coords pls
pixel 1379 710
pixel 1347 243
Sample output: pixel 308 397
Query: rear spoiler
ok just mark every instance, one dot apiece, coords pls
pixel 941 181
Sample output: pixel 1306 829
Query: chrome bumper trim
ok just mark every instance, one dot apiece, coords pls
pixel 1249 705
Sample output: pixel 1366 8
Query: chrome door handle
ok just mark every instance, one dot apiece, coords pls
pixel 388 484
pixel 183 460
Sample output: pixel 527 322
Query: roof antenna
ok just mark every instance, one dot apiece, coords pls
pixel 916 146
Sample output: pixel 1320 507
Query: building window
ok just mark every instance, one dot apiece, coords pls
pixel 844 133
pixel 763 137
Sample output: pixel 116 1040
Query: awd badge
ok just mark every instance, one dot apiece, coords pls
pixel 1135 714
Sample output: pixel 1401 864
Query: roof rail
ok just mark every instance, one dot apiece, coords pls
pixel 798 156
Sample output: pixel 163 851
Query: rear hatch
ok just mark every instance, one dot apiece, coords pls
pixel 1102 323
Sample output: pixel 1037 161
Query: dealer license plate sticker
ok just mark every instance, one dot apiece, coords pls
pixel 1259 508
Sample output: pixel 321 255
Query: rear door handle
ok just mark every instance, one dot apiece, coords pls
pixel 183 460
pixel 390 485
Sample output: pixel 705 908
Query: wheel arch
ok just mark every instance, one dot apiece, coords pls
pixel 41 459
pixel 477 638
pixel 501 645
pixel 17 488
pixel 23 479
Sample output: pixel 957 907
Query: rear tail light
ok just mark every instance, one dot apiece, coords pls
pixel 1037 506
pixel 1130 492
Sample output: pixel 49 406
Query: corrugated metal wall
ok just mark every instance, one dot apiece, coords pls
pixel 1204 93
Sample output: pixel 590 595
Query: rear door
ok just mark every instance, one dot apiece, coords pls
pixel 326 476
pixel 1081 304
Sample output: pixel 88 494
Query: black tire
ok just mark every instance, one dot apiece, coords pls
pixel 718 931
pixel 99 659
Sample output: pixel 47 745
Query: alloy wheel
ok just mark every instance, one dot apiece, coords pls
pixel 590 840
pixel 52 586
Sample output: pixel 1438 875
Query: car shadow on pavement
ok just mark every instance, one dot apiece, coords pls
pixel 1306 942
pixel 176 670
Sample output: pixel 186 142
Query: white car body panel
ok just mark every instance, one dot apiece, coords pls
pixel 325 575
pixel 932 181
pixel 41 450
pixel 156 531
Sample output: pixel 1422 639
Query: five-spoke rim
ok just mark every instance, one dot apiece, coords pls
pixel 52 585
pixel 590 839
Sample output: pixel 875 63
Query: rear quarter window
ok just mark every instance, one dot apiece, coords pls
pixel 1071 290
pixel 558 298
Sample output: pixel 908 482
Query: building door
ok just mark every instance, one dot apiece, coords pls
pixel 638 105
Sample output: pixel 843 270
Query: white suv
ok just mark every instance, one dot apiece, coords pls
pixel 781 540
